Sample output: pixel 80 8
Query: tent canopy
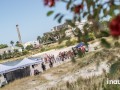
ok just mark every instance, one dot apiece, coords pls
pixel 80 45
pixel 25 62
pixel 3 68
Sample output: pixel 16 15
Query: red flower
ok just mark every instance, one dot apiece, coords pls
pixel 115 26
pixel 50 3
pixel 77 8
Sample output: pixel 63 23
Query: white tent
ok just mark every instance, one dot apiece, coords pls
pixel 4 68
pixel 25 62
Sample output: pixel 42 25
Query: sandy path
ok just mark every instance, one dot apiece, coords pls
pixel 85 72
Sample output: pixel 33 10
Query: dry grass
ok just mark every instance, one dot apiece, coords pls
pixel 25 83
pixel 94 83
pixel 68 68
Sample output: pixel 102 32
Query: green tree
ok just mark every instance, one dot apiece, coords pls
pixel 19 45
pixel 4 55
pixel 39 39
pixel 29 47
pixel 12 43
pixel 3 46
pixel 25 52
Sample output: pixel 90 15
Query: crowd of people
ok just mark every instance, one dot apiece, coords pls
pixel 52 59
pixel 62 56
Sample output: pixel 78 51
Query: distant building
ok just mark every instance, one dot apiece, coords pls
pixel 10 49
pixel 33 43
pixel 47 33
pixel 59 27
pixel 68 29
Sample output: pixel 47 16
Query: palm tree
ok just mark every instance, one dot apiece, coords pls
pixel 39 39
pixel 11 42
pixel 17 42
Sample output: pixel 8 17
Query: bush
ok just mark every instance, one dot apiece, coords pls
pixel 105 33
pixel 29 47
pixel 3 46
pixel 117 44
pixel 74 42
pixel 42 49
pixel 25 52
pixel 60 40
pixel 68 43
pixel 91 36
pixel 60 46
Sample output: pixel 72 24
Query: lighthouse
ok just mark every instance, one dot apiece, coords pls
pixel 19 36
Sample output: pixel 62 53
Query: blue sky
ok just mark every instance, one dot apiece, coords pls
pixel 31 17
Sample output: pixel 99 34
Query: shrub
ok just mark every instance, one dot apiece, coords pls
pixel 29 47
pixel 3 46
pixel 68 43
pixel 60 46
pixel 91 36
pixel 105 33
pixel 60 40
pixel 74 42
pixel 117 44
pixel 42 49
pixel 25 52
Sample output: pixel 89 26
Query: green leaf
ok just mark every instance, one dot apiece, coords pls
pixel 57 15
pixel 50 13
pixel 68 4
pixel 64 1
pixel 60 19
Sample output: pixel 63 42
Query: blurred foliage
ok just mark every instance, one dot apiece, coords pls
pixel 90 9
pixel 25 52
pixel 105 43
pixel 95 11
pixel 68 43
pixel 3 46
pixel 115 67
pixel 105 33
pixel 29 47
pixel 60 46
pixel 91 36
pixel 117 44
